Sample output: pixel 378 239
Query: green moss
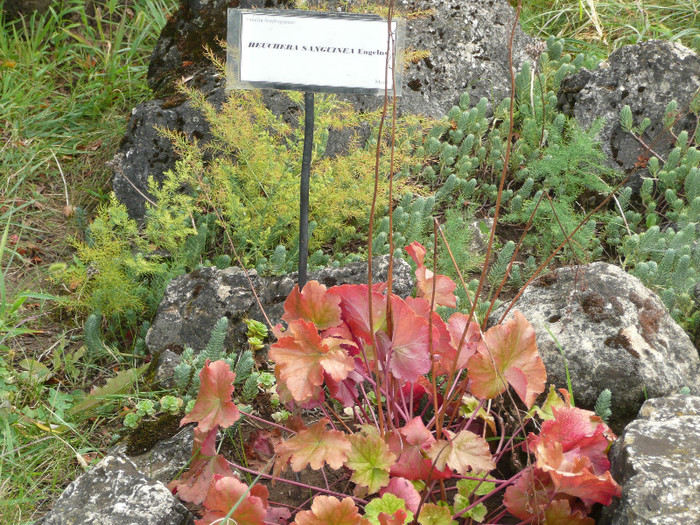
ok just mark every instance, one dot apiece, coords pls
pixel 148 433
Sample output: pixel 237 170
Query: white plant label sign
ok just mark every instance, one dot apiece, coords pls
pixel 307 51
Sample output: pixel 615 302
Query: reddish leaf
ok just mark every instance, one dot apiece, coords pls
pixel 345 391
pixel 260 447
pixel 206 463
pixel 464 452
pixel 559 513
pixel 277 515
pixel 314 305
pixel 397 518
pixel 328 510
pixel 533 497
pixel 587 486
pixel 409 444
pixel 443 350
pixel 530 493
pixel 354 305
pixel 409 353
pixel 303 357
pixel 571 474
pixel 263 442
pixel 426 280
pixel 214 406
pixel 579 430
pixel 508 354
pixel 456 325
pixel 313 447
pixel 226 492
pixel 404 489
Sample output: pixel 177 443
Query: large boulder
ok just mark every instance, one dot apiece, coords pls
pixel 115 492
pixel 145 152
pixel 194 27
pixel 613 332
pixel 467 42
pixel 657 460
pixel 646 77
pixel 193 303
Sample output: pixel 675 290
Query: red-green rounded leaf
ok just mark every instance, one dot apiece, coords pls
pixel 224 494
pixel 432 514
pixel 404 489
pixel 370 460
pixel 389 509
pixel 213 405
pixel 303 356
pixel 329 510
pixel 463 452
pixel 559 512
pixel 314 447
pixel 508 355
pixel 313 304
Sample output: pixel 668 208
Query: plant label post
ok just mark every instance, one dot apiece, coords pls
pixel 314 53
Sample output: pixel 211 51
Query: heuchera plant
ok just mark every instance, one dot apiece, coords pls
pixel 423 441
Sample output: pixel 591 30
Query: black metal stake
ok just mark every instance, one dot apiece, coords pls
pixel 304 187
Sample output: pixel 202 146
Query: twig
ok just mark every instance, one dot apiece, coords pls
pixel 63 177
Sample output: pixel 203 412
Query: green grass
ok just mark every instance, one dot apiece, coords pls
pixel 600 27
pixel 67 82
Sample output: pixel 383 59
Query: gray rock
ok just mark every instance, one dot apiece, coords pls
pixel 657 460
pixel 167 361
pixel 193 303
pixel 615 334
pixel 114 492
pixel 467 41
pixel 468 45
pixel 166 459
pixel 646 77
pixel 197 25
pixel 144 152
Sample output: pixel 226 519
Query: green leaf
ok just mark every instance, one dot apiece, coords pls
pixel 602 405
pixel 477 513
pixel 432 514
pixel 119 384
pixel 37 371
pixel 467 487
pixel 389 504
pixel 370 460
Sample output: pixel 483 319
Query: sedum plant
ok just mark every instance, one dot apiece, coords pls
pixel 658 237
pixel 187 372
pixel 424 440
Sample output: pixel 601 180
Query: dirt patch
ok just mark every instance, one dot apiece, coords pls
pixel 594 306
pixel 622 341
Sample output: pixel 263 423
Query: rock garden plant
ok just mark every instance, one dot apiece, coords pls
pixel 411 411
